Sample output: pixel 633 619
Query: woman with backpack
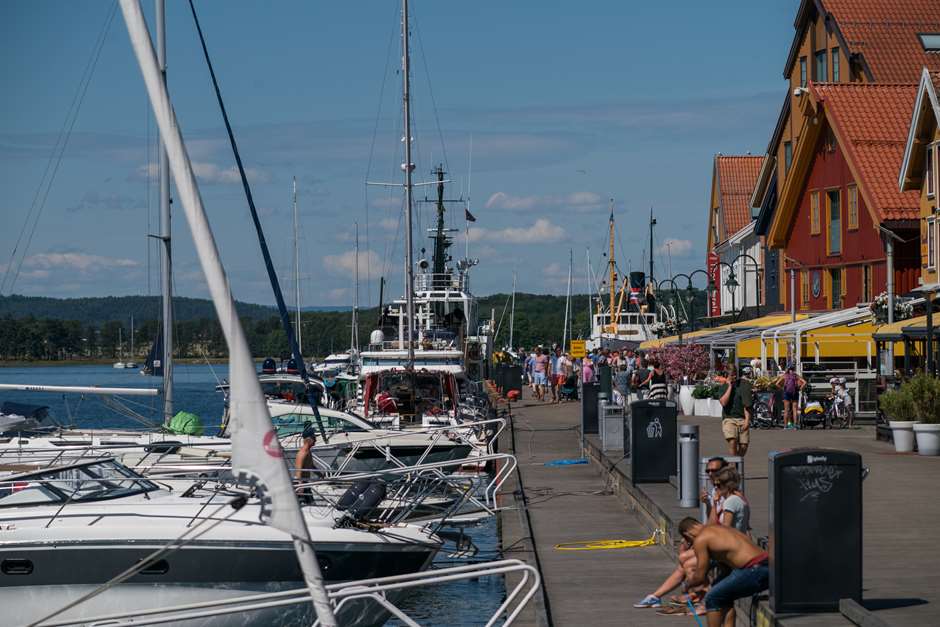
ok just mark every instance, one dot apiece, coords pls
pixel 791 384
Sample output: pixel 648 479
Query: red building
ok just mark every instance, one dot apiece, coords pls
pixel 840 202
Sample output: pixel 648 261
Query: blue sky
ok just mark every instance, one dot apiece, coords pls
pixel 566 105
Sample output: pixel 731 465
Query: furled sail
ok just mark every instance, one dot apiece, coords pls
pixel 153 366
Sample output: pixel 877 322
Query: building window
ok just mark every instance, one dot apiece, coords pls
pixel 787 156
pixel 928 170
pixel 931 243
pixel 802 71
pixel 834 223
pixel 835 65
pixel 814 213
pixel 930 41
pixel 853 208
pixel 821 73
pixel 866 284
pixel 804 287
pixel 835 288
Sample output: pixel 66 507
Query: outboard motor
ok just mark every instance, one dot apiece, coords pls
pixel 269 366
pixel 292 366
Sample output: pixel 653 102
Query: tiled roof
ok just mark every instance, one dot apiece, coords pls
pixel 871 123
pixel 737 175
pixel 885 33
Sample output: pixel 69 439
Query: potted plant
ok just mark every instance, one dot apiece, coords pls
pixel 701 395
pixel 925 396
pixel 898 405
pixel 683 363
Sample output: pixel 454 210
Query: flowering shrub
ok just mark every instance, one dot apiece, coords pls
pixel 903 309
pixel 665 328
pixel 682 362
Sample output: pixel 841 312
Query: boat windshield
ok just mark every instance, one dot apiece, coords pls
pixel 97 481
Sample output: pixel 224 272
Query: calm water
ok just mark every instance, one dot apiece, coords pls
pixel 456 604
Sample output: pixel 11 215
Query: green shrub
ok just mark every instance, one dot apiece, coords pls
pixel 897 404
pixel 925 395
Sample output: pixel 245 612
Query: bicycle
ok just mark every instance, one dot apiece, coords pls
pixel 839 413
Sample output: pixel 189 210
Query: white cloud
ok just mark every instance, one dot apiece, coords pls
pixel 541 231
pixel 576 201
pixel 211 174
pixel 388 224
pixel 77 262
pixel 675 247
pixel 345 263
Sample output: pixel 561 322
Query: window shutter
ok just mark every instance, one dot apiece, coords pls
pixel 843 282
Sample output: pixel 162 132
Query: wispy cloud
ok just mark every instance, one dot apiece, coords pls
pixel 576 201
pixel 675 247
pixel 108 201
pixel 210 173
pixel 345 262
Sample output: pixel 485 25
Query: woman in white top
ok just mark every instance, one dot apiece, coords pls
pixel 734 509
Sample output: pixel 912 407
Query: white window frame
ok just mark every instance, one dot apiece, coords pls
pixel 931 167
pixel 931 243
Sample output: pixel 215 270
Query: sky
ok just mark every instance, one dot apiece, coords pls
pixel 541 112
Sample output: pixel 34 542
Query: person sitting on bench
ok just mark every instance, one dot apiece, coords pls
pixel 732 548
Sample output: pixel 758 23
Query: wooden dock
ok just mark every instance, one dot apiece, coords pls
pixel 901 513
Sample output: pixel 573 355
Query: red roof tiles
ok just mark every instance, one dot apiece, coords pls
pixel 737 175
pixel 871 124
pixel 885 33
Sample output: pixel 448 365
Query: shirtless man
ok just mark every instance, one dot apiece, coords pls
pixel 734 549
pixel 303 462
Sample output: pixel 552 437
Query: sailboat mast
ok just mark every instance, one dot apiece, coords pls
pixel 652 224
pixel 512 311
pixel 354 343
pixel 565 335
pixel 300 343
pixel 132 337
pixel 166 263
pixel 408 167
pixel 612 270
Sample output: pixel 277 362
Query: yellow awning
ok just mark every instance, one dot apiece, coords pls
pixel 770 320
pixel 841 340
pixel 662 341
pixel 894 331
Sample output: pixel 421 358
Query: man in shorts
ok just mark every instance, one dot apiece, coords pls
pixel 750 570
pixel 541 368
pixel 736 398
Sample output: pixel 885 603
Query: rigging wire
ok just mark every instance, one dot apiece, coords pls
pixel 427 73
pixel 55 157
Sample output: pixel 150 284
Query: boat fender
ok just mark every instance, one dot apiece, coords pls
pixel 367 501
pixel 349 497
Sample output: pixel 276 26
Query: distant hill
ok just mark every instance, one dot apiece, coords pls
pixel 96 311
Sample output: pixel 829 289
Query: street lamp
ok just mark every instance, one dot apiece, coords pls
pixel 674 293
pixel 757 271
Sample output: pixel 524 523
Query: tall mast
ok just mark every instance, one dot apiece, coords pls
pixel 408 167
pixel 652 224
pixel 612 270
pixel 565 335
pixel 300 342
pixel 590 289
pixel 354 343
pixel 166 262
pixel 512 310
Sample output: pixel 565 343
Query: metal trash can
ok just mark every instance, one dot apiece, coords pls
pixel 589 408
pixel 652 441
pixel 611 423
pixel 705 483
pixel 604 380
pixel 815 529
pixel 688 460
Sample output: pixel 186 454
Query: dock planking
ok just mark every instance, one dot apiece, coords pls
pixel 571 504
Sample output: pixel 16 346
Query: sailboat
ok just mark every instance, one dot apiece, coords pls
pixel 131 363
pixel 120 363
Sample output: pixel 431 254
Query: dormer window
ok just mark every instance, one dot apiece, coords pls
pixel 930 41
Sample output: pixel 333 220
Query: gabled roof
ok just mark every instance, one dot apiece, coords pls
pixel 927 103
pixel 882 34
pixel 735 176
pixel 871 123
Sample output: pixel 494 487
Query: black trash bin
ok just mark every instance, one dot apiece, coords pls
pixel 512 379
pixel 652 442
pixel 589 421
pixel 815 542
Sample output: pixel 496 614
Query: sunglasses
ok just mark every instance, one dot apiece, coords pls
pixel 712 470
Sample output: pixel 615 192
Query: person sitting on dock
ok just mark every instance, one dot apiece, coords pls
pixel 726 545
pixel 687 564
pixel 736 398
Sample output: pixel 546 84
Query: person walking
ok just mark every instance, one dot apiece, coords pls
pixel 587 370
pixel 657 382
pixel 557 378
pixel 736 398
pixel 541 368
pixel 791 384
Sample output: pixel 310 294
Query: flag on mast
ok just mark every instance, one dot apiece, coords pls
pixel 469 217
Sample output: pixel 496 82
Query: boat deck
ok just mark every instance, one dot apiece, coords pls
pixel 901 510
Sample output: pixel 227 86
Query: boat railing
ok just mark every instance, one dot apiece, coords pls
pixel 429 282
pixel 376 590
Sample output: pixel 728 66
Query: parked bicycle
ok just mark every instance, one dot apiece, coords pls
pixel 762 412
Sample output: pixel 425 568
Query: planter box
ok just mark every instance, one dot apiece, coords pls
pixel 715 408
pixel 928 438
pixel 700 406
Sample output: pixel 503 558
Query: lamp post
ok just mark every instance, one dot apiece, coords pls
pixel 674 292
pixel 732 284
pixel 757 271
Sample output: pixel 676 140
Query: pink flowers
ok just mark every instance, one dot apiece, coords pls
pixel 682 361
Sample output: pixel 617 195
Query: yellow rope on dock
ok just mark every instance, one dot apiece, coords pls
pixel 604 545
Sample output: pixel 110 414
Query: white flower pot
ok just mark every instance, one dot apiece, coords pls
pixel 928 438
pixel 700 406
pixel 715 408
pixel 902 431
pixel 685 399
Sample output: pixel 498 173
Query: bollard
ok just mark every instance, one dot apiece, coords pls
pixel 688 466
pixel 602 399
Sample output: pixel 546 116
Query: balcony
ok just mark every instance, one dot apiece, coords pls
pixel 429 282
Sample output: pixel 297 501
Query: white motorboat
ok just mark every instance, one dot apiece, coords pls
pixel 68 530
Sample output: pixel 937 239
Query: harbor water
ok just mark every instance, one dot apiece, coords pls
pixel 460 603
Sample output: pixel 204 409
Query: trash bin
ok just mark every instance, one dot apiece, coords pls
pixel 652 441
pixel 512 379
pixel 604 380
pixel 589 408
pixel 815 529
pixel 611 424
pixel 688 460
